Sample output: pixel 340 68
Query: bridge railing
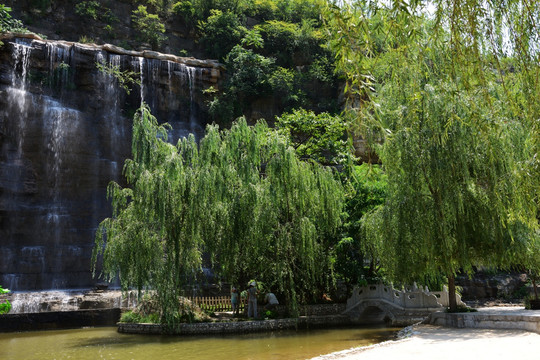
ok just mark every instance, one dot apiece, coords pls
pixel 410 298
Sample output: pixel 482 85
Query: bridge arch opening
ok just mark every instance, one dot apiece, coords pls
pixel 375 315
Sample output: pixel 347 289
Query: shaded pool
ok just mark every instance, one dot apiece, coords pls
pixel 107 343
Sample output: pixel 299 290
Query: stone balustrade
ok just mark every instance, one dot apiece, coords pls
pixel 376 303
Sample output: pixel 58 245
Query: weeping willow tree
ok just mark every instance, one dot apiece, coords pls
pixel 241 195
pixel 447 92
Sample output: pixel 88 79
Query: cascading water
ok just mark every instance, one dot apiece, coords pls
pixel 17 94
pixel 70 300
pixel 65 130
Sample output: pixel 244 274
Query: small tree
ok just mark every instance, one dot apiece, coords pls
pixel 149 26
pixel 221 31
pixel 5 307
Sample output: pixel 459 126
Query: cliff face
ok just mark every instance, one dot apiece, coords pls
pixel 110 22
pixel 65 130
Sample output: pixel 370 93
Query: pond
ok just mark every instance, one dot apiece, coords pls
pixel 107 343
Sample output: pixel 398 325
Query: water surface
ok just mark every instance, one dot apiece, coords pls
pixel 107 343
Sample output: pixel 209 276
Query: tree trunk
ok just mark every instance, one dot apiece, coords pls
pixel 452 293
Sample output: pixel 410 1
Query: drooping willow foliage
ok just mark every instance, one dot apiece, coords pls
pixel 447 92
pixel 241 195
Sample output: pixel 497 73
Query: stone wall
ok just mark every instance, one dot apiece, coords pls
pixel 313 316
pixel 58 320
pixel 235 327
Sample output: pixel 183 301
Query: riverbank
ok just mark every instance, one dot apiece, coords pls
pixel 443 343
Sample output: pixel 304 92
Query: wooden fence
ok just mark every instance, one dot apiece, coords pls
pixel 215 303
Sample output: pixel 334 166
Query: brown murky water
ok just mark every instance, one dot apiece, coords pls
pixel 107 343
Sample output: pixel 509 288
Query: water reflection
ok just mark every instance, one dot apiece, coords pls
pixel 106 343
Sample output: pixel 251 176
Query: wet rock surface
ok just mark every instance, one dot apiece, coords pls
pixel 65 131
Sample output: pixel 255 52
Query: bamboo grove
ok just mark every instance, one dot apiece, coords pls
pixel 240 196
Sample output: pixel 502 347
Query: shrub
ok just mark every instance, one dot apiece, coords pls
pixel 95 11
pixel 88 9
pixel 149 26
pixel 5 307
pixel 264 9
pixel 7 23
pixel 86 40
pixel 316 136
pixel 250 72
pixel 220 33
pixel 185 10
pixel 283 84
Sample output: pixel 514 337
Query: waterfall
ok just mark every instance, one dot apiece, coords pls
pixel 60 59
pixel 17 95
pixel 65 131
pixel 70 300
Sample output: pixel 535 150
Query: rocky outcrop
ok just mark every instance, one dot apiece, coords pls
pixel 483 286
pixel 65 131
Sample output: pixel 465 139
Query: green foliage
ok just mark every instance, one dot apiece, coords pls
pixel 149 26
pixel 293 11
pixel 249 72
pixel 248 78
pixel 220 32
pixel 86 40
pixel 269 314
pixel 291 43
pixel 252 39
pixel 241 195
pixel 88 9
pixel 95 11
pixel 321 137
pixel 366 192
pixel 185 10
pixel 159 6
pixel 133 317
pixel 125 78
pixel 283 83
pixel 8 23
pixel 5 307
pixel 457 151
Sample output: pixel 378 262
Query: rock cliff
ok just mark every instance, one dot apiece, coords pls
pixel 65 130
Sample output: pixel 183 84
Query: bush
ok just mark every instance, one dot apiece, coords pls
pixel 220 33
pixel 292 44
pixel 149 26
pixel 249 77
pixel 280 40
pixel 5 307
pixel 320 137
pixel 95 11
pixel 88 9
pixel 249 72
pixel 283 84
pixel 7 23
pixel 264 9
pixel 185 10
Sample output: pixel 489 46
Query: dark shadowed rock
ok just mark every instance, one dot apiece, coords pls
pixel 65 131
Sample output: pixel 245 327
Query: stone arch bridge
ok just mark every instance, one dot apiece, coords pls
pixel 382 303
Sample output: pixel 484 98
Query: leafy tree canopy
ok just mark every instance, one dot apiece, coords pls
pixel 241 195
pixel 457 131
